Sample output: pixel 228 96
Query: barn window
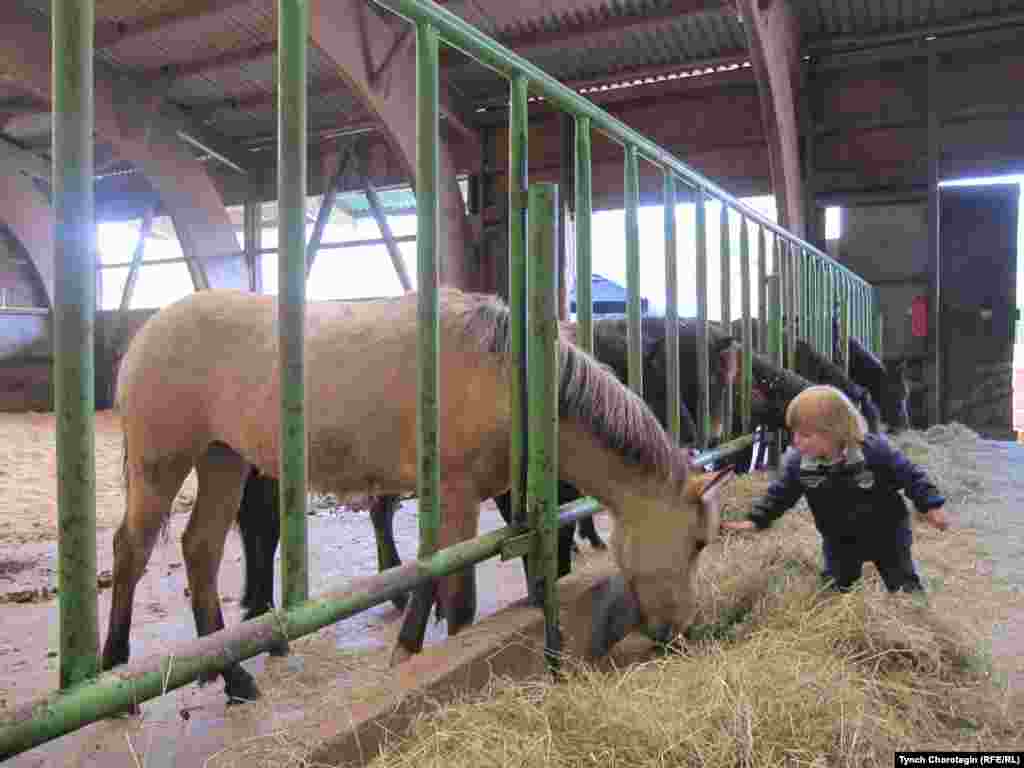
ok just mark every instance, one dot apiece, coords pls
pixel 833 222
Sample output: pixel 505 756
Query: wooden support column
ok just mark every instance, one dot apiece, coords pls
pixel 389 239
pixel 133 271
pixel 813 216
pixel 326 206
pixel 773 34
pixel 252 233
pixel 936 405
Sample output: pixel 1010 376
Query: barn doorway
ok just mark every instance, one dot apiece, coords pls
pixel 980 238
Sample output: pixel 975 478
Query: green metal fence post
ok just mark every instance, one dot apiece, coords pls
pixel 876 316
pixel 74 311
pixel 844 323
pixel 584 206
pixel 829 303
pixel 748 350
pixel 518 160
pixel 703 415
pixel 805 296
pixel 428 477
pixel 634 337
pixel 817 305
pixel 293 33
pixel 671 308
pixel 793 294
pixel 762 291
pixel 725 268
pixel 774 291
pixel 542 484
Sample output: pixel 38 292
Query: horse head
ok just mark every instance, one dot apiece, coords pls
pixel 896 393
pixel 657 549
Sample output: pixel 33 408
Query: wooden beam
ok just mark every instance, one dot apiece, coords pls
pixel 326 207
pixel 389 239
pixel 109 34
pixel 937 400
pixel 133 276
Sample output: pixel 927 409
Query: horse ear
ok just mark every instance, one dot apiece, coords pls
pixel 709 483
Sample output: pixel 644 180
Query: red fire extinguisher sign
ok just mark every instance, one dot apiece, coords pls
pixel 919 316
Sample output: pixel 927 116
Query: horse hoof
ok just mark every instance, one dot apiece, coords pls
pixel 399 654
pixel 598 544
pixel 280 650
pixel 240 686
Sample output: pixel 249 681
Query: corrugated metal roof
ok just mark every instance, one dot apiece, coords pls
pixel 681 40
pixel 251 78
pixel 193 39
pixel 823 19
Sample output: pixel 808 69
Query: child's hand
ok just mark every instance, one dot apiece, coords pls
pixel 937 518
pixel 737 525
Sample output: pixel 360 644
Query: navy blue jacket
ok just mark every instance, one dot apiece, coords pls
pixel 854 500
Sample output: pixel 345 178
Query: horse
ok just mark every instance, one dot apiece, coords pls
pixel 886 381
pixel 199 387
pixel 260 527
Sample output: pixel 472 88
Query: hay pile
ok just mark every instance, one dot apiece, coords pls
pixel 774 672
pixel 946 452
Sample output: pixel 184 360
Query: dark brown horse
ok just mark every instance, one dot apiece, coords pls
pixel 198 387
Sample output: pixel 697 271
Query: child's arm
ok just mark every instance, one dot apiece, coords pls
pixel 915 483
pixel 783 493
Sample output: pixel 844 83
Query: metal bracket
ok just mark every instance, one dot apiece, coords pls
pixel 518 546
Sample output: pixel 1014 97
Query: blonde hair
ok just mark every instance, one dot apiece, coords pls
pixel 826 410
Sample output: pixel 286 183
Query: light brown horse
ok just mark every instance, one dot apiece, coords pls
pixel 198 387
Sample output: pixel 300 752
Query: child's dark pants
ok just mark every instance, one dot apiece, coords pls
pixel 844 562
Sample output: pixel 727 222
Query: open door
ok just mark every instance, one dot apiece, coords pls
pixel 978 247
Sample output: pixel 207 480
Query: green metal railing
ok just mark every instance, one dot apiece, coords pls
pixel 792 298
pixel 73 315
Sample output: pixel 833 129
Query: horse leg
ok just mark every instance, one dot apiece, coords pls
pixel 259 523
pixel 222 473
pixel 382 514
pixel 150 493
pixel 615 614
pixel 456 592
pixel 459 522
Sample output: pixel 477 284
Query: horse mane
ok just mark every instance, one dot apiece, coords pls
pixel 588 392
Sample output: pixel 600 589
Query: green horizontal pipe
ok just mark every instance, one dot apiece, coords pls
pixel 723 451
pixel 113 692
pixel 577 510
pixel 490 53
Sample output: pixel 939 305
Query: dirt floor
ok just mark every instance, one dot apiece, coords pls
pixel 191 725
pixel 332 668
